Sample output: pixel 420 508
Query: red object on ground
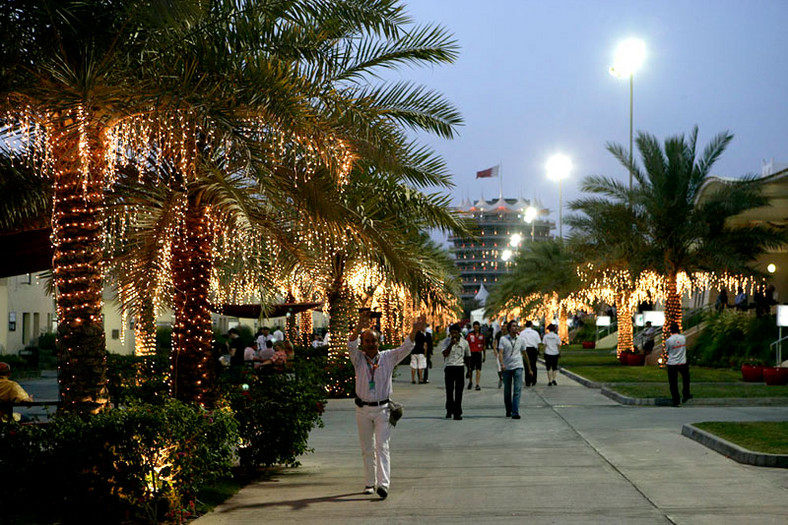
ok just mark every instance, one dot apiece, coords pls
pixel 589 344
pixel 752 373
pixel 775 375
pixel 636 359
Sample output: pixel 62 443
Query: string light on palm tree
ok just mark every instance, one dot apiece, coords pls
pixel 629 56
pixel 558 168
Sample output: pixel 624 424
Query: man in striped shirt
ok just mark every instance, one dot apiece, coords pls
pixel 373 388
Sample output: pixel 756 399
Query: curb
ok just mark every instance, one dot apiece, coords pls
pixel 733 451
pixel 664 401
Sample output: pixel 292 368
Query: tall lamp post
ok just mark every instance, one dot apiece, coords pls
pixel 629 56
pixel 530 218
pixel 558 168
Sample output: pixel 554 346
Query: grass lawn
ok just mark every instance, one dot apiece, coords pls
pixel 737 390
pixel 769 437
pixel 601 366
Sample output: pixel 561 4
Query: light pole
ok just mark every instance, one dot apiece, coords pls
pixel 530 218
pixel 629 56
pixel 558 168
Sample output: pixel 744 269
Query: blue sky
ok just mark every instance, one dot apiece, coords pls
pixel 532 80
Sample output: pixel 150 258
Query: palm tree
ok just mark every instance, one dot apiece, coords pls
pixel 676 231
pixel 540 270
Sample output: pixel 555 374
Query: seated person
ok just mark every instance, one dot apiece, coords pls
pixel 281 353
pixel 11 392
pixel 268 352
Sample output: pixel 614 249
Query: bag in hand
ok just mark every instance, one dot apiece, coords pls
pixel 395 412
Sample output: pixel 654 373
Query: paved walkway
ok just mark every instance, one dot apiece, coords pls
pixel 575 457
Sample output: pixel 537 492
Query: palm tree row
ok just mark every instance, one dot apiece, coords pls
pixel 229 124
pixel 627 243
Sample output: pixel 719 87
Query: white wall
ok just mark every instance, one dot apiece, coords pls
pixel 23 297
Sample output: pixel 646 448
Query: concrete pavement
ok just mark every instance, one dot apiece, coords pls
pixel 575 457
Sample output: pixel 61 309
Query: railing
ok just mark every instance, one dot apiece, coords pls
pixel 779 349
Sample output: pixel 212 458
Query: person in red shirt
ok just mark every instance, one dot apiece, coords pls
pixel 476 342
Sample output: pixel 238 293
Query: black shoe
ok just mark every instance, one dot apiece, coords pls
pixel 677 404
pixel 382 492
pixel 686 399
pixel 516 416
pixel 554 383
pixel 478 387
pixel 457 418
pixel 470 385
pixel 413 381
pixel 508 414
pixel 448 416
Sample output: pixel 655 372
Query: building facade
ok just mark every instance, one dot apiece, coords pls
pixel 501 228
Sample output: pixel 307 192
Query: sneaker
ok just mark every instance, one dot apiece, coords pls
pixel 500 383
pixel 554 383
pixel 413 381
pixel 470 385
pixel 448 415
pixel 508 414
pixel 686 399
pixel 478 387
pixel 457 418
pixel 516 416
pixel 369 490
pixel 383 492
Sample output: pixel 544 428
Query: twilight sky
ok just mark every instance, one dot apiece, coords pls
pixel 532 80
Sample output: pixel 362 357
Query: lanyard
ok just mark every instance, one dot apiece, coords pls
pixel 372 365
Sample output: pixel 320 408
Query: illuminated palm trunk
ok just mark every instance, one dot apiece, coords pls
pixel 305 324
pixel 563 329
pixel 341 313
pixel 672 313
pixel 145 329
pixel 625 336
pixel 291 331
pixel 192 366
pixel 77 266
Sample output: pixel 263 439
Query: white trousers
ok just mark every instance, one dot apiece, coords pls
pixel 374 430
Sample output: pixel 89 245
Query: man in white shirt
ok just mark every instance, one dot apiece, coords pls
pixel 552 351
pixel 456 352
pixel 373 388
pixel 263 335
pixel 676 347
pixel 531 340
pixel 510 355
pixel 278 334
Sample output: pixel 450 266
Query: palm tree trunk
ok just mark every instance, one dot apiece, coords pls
pixel 563 329
pixel 193 370
pixel 672 312
pixel 291 332
pixel 340 311
pixel 624 313
pixel 77 263
pixel 145 329
pixel 305 323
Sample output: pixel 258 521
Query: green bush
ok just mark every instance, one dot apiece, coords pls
pixel 586 332
pixel 137 379
pixel 138 464
pixel 731 338
pixel 47 341
pixel 275 413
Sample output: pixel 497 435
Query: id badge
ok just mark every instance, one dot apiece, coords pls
pixel 372 385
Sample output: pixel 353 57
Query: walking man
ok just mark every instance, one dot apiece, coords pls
pixel 676 346
pixel 649 333
pixel 552 351
pixel 373 388
pixel 455 352
pixel 510 355
pixel 531 340
pixel 476 343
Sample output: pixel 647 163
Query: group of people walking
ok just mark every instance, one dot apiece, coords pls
pixel 514 353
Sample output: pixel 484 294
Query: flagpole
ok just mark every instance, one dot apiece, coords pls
pixel 500 180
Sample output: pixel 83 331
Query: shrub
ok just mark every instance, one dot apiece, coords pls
pixel 586 331
pixel 140 464
pixel 137 379
pixel 731 338
pixel 275 413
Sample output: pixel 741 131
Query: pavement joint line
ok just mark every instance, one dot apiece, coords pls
pixel 606 460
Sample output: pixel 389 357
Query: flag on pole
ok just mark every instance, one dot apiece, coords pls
pixel 489 172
